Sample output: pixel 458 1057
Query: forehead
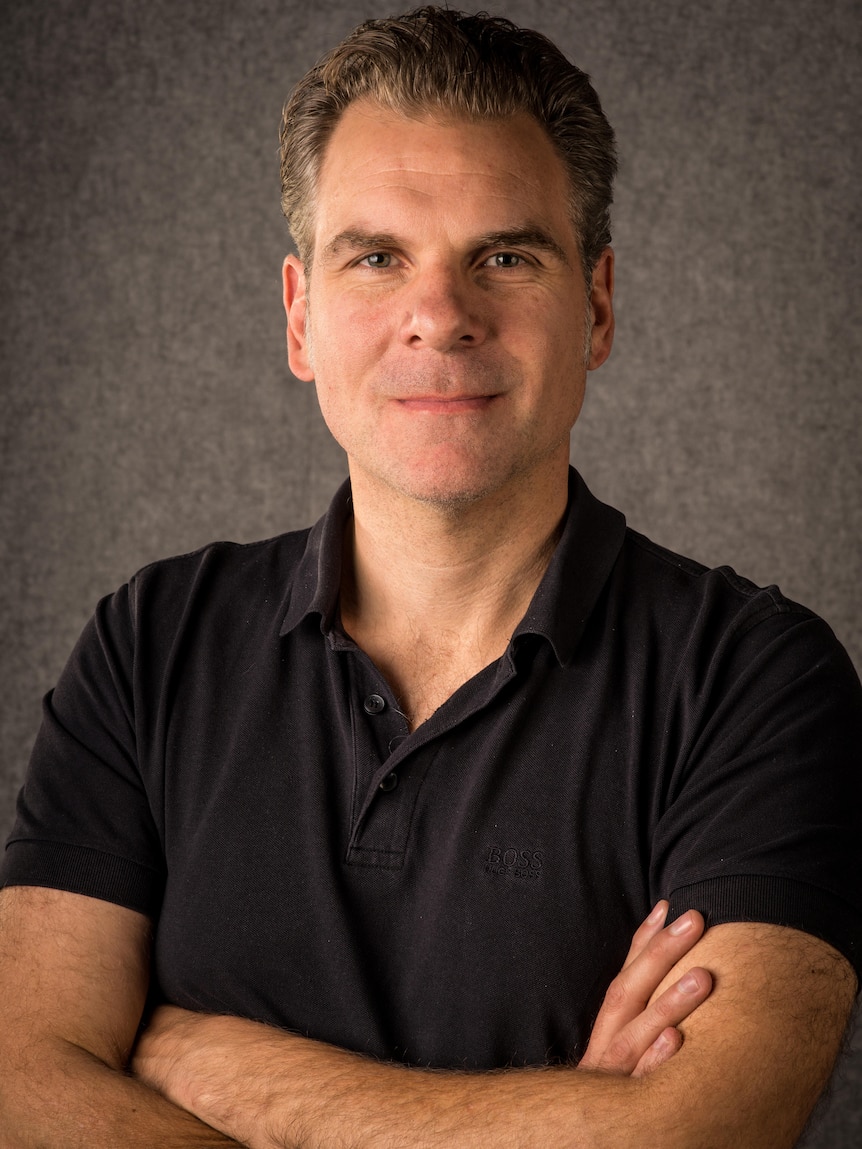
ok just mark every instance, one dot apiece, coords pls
pixel 381 162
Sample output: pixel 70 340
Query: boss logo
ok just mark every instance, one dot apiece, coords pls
pixel 515 863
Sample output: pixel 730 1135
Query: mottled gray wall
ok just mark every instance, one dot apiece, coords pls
pixel 146 405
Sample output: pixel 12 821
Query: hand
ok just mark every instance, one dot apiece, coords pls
pixel 634 1035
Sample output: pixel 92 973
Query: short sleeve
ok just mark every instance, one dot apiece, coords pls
pixel 84 822
pixel 763 820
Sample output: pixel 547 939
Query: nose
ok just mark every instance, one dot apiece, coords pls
pixel 443 312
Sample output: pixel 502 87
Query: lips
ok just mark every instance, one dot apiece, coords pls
pixel 446 404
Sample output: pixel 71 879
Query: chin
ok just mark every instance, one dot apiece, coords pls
pixel 451 500
pixel 453 488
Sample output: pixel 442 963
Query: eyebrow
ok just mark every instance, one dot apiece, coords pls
pixel 529 236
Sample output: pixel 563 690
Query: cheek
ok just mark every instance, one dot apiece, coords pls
pixel 341 383
pixel 352 319
pixel 333 392
pixel 333 407
pixel 350 345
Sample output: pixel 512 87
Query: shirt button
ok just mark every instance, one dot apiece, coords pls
pixel 374 704
pixel 389 782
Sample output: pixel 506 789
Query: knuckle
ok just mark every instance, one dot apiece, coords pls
pixel 662 1050
pixel 616 995
pixel 621 1052
pixel 641 936
pixel 666 1007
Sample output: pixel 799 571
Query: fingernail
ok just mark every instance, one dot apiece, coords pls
pixel 681 925
pixel 688 983
pixel 658 913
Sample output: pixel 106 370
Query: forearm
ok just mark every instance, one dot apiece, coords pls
pixel 55 1094
pixel 272 1090
pixel 346 1101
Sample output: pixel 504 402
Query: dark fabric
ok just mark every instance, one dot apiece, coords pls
pixel 218 754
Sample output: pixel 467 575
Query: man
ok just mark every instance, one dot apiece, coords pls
pixel 394 794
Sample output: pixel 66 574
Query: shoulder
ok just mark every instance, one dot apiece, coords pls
pixel 201 590
pixel 654 601
pixel 220 571
pixel 709 635
pixel 274 557
pixel 688 596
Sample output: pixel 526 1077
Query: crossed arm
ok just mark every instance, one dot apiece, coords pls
pixel 73 973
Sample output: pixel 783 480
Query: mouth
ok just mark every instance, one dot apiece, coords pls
pixel 446 404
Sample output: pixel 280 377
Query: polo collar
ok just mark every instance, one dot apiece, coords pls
pixel 579 568
pixel 591 541
pixel 317 580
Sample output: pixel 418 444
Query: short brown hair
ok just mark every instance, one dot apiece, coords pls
pixel 476 67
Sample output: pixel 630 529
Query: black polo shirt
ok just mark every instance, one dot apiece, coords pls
pixel 219 755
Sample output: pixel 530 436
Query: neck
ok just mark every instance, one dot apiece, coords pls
pixel 449 584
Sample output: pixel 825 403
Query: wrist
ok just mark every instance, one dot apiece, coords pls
pixel 223 1075
pixel 161 1057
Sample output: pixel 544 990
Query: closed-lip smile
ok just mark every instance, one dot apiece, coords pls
pixel 446 404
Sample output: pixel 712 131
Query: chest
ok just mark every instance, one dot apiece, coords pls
pixel 430 896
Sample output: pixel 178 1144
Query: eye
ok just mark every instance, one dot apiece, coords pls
pixel 505 260
pixel 377 259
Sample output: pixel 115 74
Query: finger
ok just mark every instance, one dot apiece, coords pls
pixel 635 1046
pixel 635 984
pixel 668 1042
pixel 630 991
pixel 626 1049
pixel 647 930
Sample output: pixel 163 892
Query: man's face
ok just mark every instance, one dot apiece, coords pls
pixel 448 317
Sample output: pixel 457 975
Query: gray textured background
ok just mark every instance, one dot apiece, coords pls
pixel 146 403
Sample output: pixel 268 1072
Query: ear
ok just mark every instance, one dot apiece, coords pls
pixel 602 308
pixel 296 310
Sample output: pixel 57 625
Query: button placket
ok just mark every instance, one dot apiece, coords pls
pixel 383 826
pixel 376 704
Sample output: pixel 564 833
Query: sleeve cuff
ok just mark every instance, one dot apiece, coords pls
pixel 775 901
pixel 82 870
